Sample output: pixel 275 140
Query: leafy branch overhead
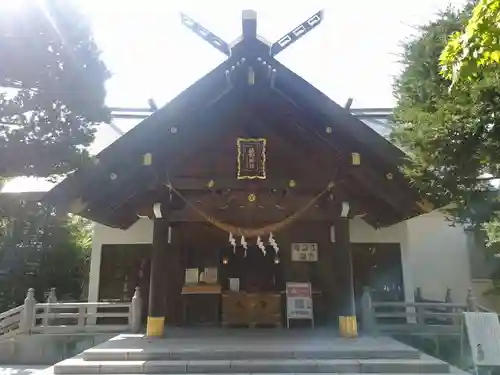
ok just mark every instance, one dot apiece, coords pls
pixel 52 89
pixel 453 137
pixel 476 46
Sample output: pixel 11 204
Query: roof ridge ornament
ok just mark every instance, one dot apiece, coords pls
pixel 298 32
pixel 206 34
pixel 249 32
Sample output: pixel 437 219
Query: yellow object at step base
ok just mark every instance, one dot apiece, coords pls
pixel 155 327
pixel 348 326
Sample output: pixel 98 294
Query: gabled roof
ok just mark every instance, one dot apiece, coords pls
pixel 88 190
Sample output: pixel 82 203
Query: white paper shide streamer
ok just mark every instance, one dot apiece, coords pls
pixel 244 244
pixel 261 245
pixel 273 244
pixel 232 241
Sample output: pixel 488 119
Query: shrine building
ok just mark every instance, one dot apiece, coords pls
pixel 248 180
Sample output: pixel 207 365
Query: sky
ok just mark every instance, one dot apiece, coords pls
pixel 353 53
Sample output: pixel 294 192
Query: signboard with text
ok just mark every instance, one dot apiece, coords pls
pixel 483 330
pixel 304 252
pixel 299 302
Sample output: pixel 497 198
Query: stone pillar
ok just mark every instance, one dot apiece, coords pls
pixel 29 313
pixel 135 318
pixel 158 277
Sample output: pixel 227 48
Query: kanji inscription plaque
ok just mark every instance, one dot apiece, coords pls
pixel 251 158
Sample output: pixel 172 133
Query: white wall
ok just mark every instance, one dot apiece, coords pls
pixel 139 233
pixel 434 255
pixel 439 258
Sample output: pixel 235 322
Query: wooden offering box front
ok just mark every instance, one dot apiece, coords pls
pixel 251 309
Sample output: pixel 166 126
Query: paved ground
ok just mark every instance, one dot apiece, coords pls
pixel 20 370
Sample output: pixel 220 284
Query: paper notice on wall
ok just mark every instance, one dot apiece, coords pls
pixel 304 252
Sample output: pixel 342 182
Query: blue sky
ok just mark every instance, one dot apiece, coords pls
pixel 354 53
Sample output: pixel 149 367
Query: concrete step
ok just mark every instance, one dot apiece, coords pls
pixel 426 365
pixel 163 353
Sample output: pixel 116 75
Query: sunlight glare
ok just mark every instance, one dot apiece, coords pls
pixel 11 5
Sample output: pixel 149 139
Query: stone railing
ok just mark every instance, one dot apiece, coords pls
pixel 10 319
pixel 55 317
pixel 414 318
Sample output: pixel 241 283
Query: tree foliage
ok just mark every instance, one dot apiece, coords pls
pixel 476 46
pixel 452 137
pixel 40 249
pixel 52 88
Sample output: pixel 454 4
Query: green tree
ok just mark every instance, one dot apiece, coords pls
pixel 52 92
pixel 52 88
pixel 452 137
pixel 43 250
pixel 476 46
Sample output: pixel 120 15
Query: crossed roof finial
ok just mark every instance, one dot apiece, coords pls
pixel 249 31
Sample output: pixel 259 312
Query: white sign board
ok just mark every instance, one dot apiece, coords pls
pixel 304 252
pixel 299 303
pixel 483 330
pixel 191 276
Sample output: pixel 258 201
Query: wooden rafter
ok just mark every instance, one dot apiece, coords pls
pixel 367 174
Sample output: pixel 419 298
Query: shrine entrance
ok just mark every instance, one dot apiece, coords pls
pixel 261 176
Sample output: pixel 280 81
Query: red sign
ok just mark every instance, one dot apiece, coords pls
pixel 298 290
pixel 299 304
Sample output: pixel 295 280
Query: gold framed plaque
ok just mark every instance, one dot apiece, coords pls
pixel 251 158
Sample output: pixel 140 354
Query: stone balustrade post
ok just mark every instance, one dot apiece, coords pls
pixel 448 300
pixel 447 297
pixel 420 314
pixel 135 316
pixel 52 298
pixel 368 318
pixel 471 301
pixel 418 294
pixel 28 314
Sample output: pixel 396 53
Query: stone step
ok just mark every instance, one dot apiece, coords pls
pixel 159 353
pixel 426 365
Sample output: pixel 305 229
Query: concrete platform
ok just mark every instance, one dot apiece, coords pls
pixel 248 344
pixel 415 366
pixel 250 352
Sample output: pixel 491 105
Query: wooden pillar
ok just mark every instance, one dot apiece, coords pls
pixel 343 247
pixel 347 313
pixel 158 278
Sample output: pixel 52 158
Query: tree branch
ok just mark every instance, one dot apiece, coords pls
pixel 487 178
pixel 8 123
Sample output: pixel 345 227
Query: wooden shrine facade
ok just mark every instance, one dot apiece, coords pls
pixel 252 150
